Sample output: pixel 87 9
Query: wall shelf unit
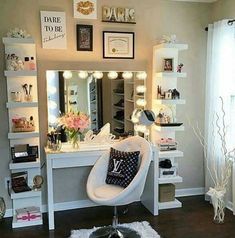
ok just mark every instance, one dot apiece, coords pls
pixel 170 75
pixel 166 80
pixel 26 109
pixel 170 154
pixel 169 205
pixel 176 179
pixel 21 104
pixel 22 135
pixel 20 73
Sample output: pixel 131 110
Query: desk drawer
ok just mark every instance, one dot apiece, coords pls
pixel 83 159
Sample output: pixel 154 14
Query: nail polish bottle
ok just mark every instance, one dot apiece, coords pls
pixel 32 65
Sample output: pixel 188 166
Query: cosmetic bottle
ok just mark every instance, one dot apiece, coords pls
pixel 32 65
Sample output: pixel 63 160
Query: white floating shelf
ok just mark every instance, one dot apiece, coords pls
pixel 168 128
pixel 21 104
pixel 20 73
pixel 169 205
pixel 28 194
pixel 171 46
pixel 25 165
pixel 176 179
pixel 171 75
pixel 13 41
pixel 170 154
pixel 22 135
pixel 170 101
pixel 18 224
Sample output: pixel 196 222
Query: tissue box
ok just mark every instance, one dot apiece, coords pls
pixel 168 173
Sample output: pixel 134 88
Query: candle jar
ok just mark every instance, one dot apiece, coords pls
pixel 16 96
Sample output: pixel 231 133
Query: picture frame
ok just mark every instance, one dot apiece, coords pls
pixel 84 37
pixel 118 45
pixel 85 9
pixel 168 64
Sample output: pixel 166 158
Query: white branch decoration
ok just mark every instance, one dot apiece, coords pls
pixel 218 166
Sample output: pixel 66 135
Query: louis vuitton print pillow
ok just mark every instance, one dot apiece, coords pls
pixel 122 168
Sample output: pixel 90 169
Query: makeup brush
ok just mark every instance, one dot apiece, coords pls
pixel 30 88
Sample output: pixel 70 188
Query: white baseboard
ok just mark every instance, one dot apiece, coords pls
pixel 185 192
pixel 230 206
pixel 62 206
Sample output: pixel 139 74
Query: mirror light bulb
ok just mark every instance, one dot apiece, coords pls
pixel 127 75
pixel 112 75
pixel 141 89
pixel 67 74
pixel 141 75
pixel 98 74
pixel 83 74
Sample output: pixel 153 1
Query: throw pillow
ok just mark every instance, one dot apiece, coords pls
pixel 122 168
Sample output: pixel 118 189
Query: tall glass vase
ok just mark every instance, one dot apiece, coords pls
pixel 74 139
pixel 219 210
pixel 2 208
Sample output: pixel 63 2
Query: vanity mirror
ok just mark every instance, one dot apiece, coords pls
pixel 107 97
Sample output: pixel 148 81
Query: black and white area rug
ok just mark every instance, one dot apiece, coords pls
pixel 143 228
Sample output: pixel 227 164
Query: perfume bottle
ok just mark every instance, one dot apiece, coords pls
pixel 32 65
pixel 26 63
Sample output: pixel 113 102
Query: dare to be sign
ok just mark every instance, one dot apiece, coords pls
pixel 53 28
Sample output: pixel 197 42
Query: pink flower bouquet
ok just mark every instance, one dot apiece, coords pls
pixel 75 123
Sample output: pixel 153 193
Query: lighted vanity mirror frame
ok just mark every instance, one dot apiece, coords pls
pixel 109 96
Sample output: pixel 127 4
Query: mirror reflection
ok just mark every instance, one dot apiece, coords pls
pixel 107 97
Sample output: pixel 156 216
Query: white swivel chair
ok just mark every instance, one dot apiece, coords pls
pixel 113 195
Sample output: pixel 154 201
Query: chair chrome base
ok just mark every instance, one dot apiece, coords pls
pixel 111 232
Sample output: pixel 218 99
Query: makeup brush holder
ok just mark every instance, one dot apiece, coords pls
pixel 28 98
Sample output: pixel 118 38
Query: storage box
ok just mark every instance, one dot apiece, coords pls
pixel 28 214
pixel 166 192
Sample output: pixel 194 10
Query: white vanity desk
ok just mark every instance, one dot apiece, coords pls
pixel 87 156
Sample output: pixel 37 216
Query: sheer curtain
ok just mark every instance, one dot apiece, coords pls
pixel 220 81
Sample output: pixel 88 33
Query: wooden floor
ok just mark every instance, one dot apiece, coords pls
pixel 194 220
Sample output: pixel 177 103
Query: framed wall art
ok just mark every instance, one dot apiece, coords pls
pixel 118 45
pixel 85 9
pixel 53 30
pixel 84 37
pixel 118 15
